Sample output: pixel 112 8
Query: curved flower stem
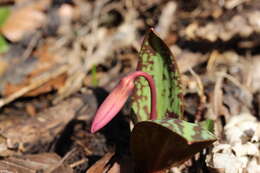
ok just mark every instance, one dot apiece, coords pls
pixel 149 78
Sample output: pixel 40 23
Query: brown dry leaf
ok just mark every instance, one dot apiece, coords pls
pixel 109 163
pixel 52 84
pixel 37 132
pixel 101 165
pixel 47 58
pixel 25 20
pixel 46 61
pixel 3 67
pixel 34 163
pixel 30 109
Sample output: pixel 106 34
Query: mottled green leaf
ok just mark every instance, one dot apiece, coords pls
pixel 157 60
pixel 208 125
pixel 159 144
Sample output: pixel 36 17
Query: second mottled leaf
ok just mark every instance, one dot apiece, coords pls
pixel 157 60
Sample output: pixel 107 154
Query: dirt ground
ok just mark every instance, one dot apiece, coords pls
pixel 59 59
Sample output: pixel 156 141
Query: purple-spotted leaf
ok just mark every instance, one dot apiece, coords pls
pixel 156 59
pixel 159 144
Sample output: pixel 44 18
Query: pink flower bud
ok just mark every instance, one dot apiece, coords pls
pixel 113 103
pixel 117 98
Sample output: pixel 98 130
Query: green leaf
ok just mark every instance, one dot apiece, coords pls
pixel 159 144
pixel 4 13
pixel 3 45
pixel 157 60
pixel 208 125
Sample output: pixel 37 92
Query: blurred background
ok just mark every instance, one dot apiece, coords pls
pixel 59 59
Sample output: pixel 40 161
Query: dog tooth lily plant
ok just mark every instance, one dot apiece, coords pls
pixel 160 138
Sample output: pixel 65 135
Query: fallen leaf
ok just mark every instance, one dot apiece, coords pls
pixel 43 162
pixel 38 132
pixel 25 20
pixel 110 163
pixel 45 61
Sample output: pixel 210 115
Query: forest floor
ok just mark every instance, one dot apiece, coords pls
pixel 60 58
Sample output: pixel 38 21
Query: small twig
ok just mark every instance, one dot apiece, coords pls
pixel 30 46
pixel 87 151
pixel 77 163
pixel 218 94
pixel 51 169
pixel 202 97
pixel 237 83
pixel 212 60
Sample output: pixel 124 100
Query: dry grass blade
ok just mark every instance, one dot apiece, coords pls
pixel 218 96
pixel 200 90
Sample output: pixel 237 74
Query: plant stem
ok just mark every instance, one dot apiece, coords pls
pixel 149 78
